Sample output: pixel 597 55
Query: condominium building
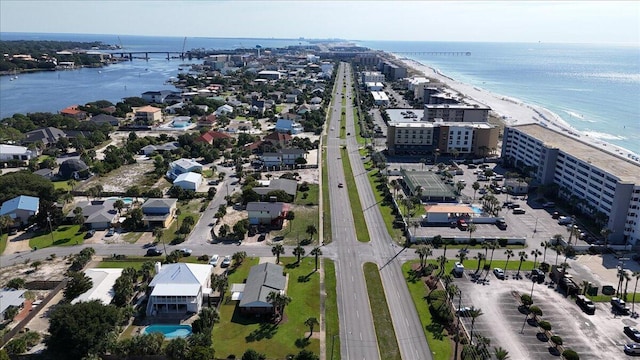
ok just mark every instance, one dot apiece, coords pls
pixel 456 112
pixel 371 76
pixel 406 134
pixel 599 181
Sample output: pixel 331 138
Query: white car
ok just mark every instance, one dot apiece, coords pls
pixel 214 260
pixel 499 273
pixel 186 252
pixel 226 261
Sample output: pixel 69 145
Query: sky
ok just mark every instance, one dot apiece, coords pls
pixel 608 22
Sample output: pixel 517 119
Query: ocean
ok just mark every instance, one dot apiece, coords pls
pixel 594 88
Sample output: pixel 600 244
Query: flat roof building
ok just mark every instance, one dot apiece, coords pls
pixel 456 112
pixel 380 98
pixel 604 185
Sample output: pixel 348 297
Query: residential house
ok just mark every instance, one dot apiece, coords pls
pixel 150 149
pixel 182 166
pixel 73 112
pixel 238 126
pixel 148 115
pixel 269 75
pixel 48 136
pixel 16 153
pixel 102 281
pixel 159 212
pixel 179 289
pixel 275 95
pixel 207 121
pixel 288 126
pixel 45 173
pixel 263 279
pixel 105 119
pixel 271 159
pixel 74 169
pixel 188 181
pixel 303 109
pixel 211 137
pixel 258 106
pixel 288 186
pixel 290 155
pixel 172 109
pixel 98 214
pixel 278 139
pixel 267 213
pixel 315 100
pixel 11 298
pixel 290 116
pixel 20 209
pixel 291 98
pixel 159 97
pixel 223 110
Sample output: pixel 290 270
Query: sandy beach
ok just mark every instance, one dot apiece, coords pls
pixel 513 111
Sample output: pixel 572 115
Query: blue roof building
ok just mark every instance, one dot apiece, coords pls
pixel 20 208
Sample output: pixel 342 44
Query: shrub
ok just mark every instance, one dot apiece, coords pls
pixel 535 310
pixel 570 355
pixel 557 340
pixel 473 242
pixel 544 267
pixel 502 242
pixel 545 325
pixel 526 300
pixel 204 258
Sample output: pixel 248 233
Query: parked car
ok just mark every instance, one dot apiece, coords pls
pixel 586 304
pixel 462 225
pixel 262 237
pixel 501 224
pixel 458 269
pixel 340 185
pixel 620 306
pixel 111 232
pixel 537 275
pixel 549 204
pixel 632 333
pixel 213 182
pixel 513 206
pixel 564 220
pixel 13 231
pixel 518 211
pixel 154 252
pixel 89 233
pixel 186 252
pixel 214 260
pixel 499 273
pixel 632 348
pixel 555 215
pixel 226 261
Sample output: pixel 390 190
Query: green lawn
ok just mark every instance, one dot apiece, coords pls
pixel 235 333
pixel 326 204
pixel 332 325
pixel 137 261
pixel 343 125
pixel 386 335
pixel 3 242
pixel 296 230
pixel 65 235
pixel 191 208
pixel 385 209
pixel 132 237
pixel 362 232
pixel 440 346
pixel 359 137
pixel 61 185
pixel 312 196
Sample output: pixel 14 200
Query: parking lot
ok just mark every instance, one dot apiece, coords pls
pixel 598 336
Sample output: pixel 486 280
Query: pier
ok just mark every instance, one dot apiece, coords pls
pixel 445 53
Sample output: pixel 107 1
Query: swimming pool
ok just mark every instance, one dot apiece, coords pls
pixel 476 209
pixel 169 331
pixel 126 200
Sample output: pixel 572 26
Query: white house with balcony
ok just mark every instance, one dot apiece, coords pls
pixel 179 289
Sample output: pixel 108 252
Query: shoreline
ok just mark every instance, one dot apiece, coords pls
pixel 514 111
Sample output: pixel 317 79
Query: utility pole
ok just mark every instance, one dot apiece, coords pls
pixel 455 352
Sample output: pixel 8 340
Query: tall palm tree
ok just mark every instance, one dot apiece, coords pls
pixel 523 256
pixel 480 257
pixel 311 323
pixel 558 248
pixel 316 252
pixel 277 250
pixel 472 229
pixel 474 313
pixel 605 232
pixel 311 230
pixel 238 258
pixel 423 252
pixel 279 301
pixel 509 254
pixel 476 187
pixel 442 260
pixel 493 246
pixel 462 255
pixel 535 253
pixel 500 353
pixel 636 275
pixel 298 251
pixel 545 245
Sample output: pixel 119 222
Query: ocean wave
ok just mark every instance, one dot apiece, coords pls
pixel 575 115
pixel 602 135
pixel 613 76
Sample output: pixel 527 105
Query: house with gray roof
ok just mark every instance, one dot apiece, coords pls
pixel 98 214
pixel 105 119
pixel 20 208
pixel 263 279
pixel 159 212
pixel 49 136
pixel 150 149
pixel 288 186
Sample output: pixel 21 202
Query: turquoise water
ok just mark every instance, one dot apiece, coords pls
pixel 126 200
pixel 476 209
pixel 169 331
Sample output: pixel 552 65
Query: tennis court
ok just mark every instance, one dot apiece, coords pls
pixel 433 187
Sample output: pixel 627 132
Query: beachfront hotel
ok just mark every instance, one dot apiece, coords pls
pixel 407 134
pixel 599 181
pixel 456 112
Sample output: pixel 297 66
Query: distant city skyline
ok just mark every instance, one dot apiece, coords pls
pixel 610 22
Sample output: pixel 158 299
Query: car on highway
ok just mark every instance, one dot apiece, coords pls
pixel 632 349
pixel 226 261
pixel 111 232
pixel 186 252
pixel 89 233
pixel 632 333
pixel 499 273
pixel 340 185
pixel 214 260
pixel 154 252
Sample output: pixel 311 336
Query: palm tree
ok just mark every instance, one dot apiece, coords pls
pixel 316 252
pixel 472 229
pixel 442 260
pixel 480 257
pixel 557 238
pixel 475 186
pixel 535 253
pixel 119 205
pixel 558 249
pixel 279 301
pixel 493 246
pixel 523 256
pixel 545 245
pixel 72 184
pixel 220 283
pixel 605 234
pixel 509 254
pixel 501 354
pixel 474 313
pixel 78 216
pixel 238 258
pixel 311 323
pixel 311 230
pixel 636 275
pixel 298 251
pixel 462 255
pixel 446 242
pixel 277 250
pixel 423 252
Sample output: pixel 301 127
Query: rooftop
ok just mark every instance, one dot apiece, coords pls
pixel 617 166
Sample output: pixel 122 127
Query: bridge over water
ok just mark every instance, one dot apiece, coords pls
pixel 446 53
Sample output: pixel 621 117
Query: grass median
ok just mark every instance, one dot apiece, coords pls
pixel 386 209
pixel 362 232
pixel 386 335
pixel 332 324
pixel 326 204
